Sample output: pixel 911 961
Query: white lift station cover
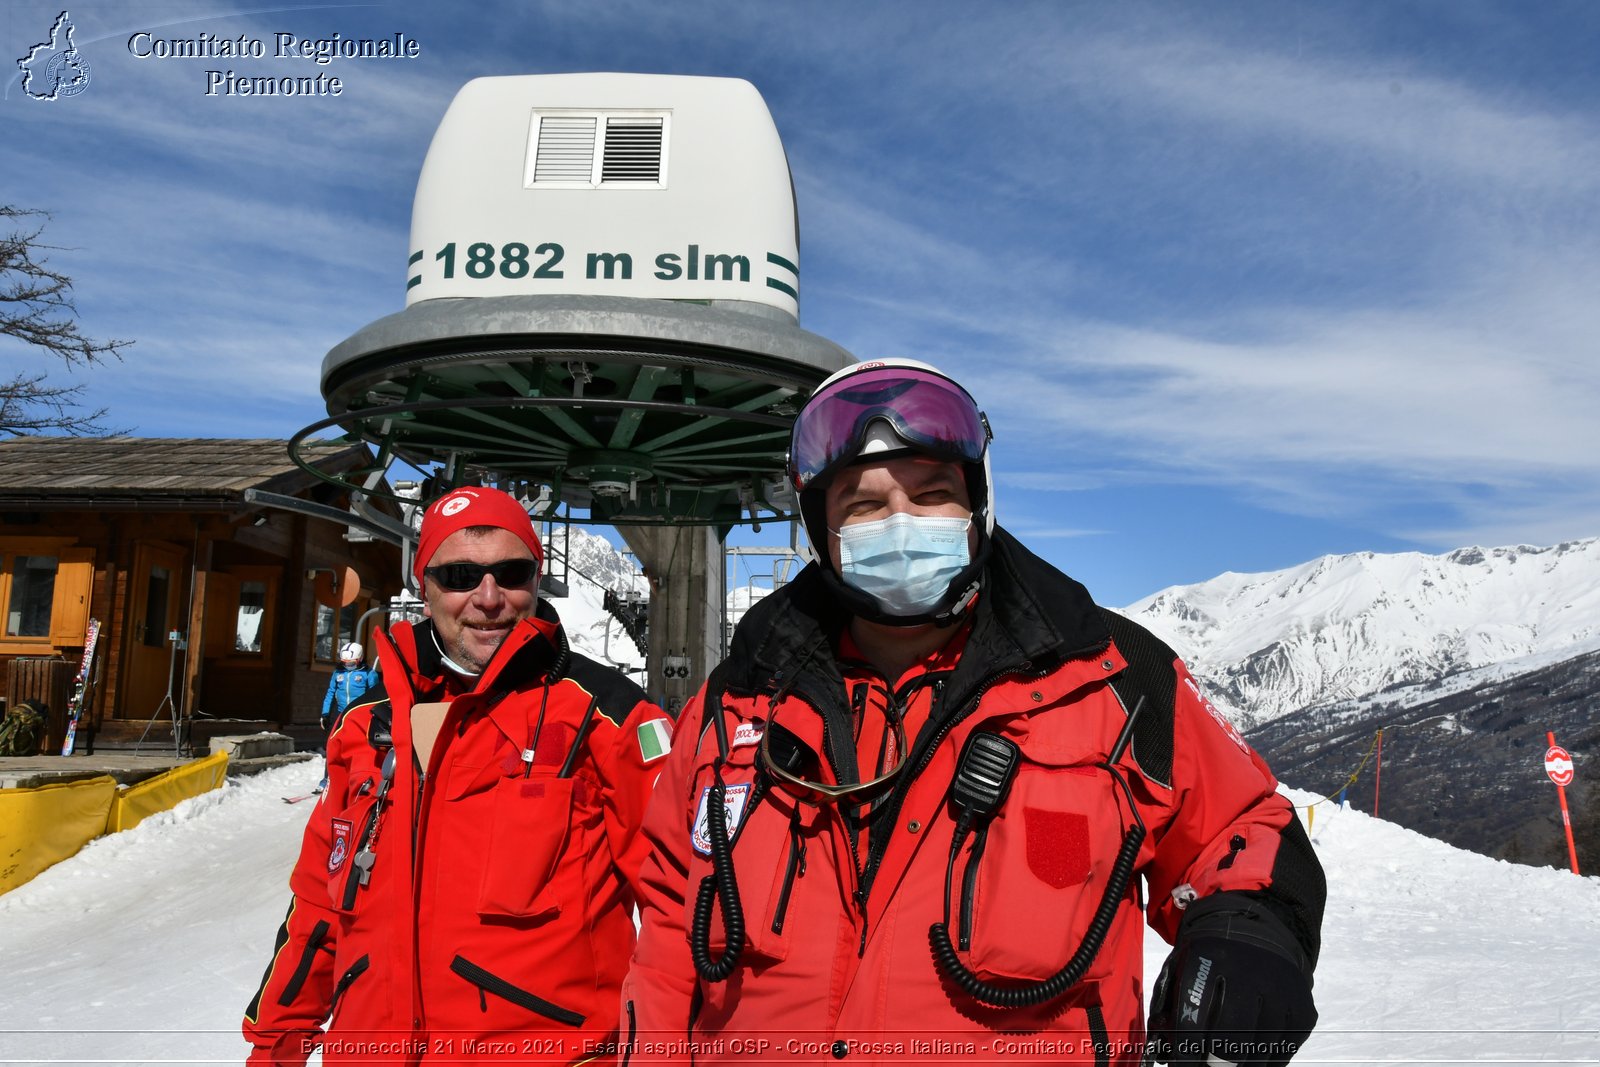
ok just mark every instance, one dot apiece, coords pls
pixel 623 185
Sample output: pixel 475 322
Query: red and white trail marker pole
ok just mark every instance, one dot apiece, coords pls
pixel 1558 765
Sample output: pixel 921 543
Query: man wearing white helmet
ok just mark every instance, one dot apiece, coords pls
pixel 350 679
pixel 927 782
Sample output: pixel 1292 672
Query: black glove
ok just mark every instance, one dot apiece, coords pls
pixel 1236 988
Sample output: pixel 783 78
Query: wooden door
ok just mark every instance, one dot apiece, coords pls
pixel 155 609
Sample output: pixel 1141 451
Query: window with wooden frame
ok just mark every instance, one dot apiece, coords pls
pixel 45 585
pixel 241 612
pixel 335 629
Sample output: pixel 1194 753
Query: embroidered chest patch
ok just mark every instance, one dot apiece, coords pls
pixel 341 845
pixel 733 803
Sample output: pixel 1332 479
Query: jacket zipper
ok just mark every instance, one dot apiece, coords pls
pixel 493 983
pixel 796 865
pixel 875 842
pixel 633 1033
pixel 357 969
pixel 313 942
pixel 1235 846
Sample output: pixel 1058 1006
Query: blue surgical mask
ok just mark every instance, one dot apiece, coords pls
pixel 905 562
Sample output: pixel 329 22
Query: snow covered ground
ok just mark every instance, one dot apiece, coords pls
pixel 145 947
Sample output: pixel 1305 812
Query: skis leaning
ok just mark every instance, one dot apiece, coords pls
pixel 80 687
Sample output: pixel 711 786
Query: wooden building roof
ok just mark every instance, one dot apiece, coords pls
pixel 67 472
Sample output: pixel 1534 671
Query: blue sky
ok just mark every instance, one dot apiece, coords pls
pixel 1238 284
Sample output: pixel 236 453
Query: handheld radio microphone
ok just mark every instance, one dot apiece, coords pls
pixel 984 774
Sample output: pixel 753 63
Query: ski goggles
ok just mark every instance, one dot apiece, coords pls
pixel 929 411
pixel 783 768
pixel 465 577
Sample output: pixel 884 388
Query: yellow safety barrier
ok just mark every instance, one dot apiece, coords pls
pixel 165 791
pixel 43 825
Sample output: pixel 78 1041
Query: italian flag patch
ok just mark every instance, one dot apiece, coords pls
pixel 655 739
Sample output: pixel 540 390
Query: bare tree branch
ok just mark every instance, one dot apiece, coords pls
pixel 37 308
pixel 28 405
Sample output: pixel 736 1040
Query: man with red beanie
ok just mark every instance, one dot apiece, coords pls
pixel 466 884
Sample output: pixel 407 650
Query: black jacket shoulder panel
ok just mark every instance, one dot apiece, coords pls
pixel 1151 677
pixel 616 694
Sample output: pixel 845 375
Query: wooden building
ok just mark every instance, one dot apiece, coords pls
pixel 209 603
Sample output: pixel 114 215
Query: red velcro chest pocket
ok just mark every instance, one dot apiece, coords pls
pixel 530 826
pixel 1057 846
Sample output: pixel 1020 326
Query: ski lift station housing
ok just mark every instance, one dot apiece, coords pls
pixel 602 305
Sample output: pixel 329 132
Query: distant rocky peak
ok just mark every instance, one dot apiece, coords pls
pixel 1346 626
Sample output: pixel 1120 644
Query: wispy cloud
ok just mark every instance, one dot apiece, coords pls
pixel 1032 530
pixel 1047 482
pixel 1420 335
pixel 1386 110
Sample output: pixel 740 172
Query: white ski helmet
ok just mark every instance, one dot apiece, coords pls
pixel 351 653
pixel 882 408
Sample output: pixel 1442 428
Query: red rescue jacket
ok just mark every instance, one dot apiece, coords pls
pixel 837 963
pixel 496 919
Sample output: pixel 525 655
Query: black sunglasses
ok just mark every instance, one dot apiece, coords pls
pixel 465 577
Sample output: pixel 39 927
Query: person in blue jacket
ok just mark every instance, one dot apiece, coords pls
pixel 350 679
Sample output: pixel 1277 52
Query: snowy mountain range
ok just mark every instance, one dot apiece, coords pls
pixel 1342 628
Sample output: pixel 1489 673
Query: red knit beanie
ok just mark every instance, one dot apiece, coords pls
pixel 473 506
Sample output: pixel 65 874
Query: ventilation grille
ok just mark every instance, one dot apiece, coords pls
pixel 566 149
pixel 598 149
pixel 633 151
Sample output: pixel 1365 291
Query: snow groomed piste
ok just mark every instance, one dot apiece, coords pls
pixel 1430 954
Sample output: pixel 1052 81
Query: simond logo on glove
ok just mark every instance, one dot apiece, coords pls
pixel 1196 992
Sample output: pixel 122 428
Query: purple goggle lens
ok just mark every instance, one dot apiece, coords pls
pixel 930 412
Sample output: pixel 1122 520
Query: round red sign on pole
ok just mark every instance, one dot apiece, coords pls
pixel 1558 765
